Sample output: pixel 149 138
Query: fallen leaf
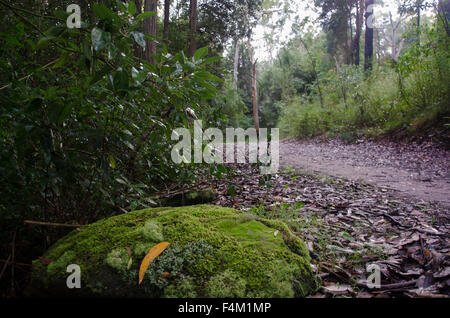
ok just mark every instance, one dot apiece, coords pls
pixel 154 252
pixel 128 250
pixel 45 261
pixel 165 275
pixel 337 290
pixel 318 295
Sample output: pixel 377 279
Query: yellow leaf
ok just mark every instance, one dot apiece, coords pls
pixel 112 162
pixel 130 262
pixel 154 252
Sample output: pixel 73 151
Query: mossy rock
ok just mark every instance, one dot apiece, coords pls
pixel 213 252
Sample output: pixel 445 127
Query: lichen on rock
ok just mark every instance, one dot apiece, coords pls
pixel 213 252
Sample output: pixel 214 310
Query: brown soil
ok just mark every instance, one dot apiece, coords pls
pixel 417 171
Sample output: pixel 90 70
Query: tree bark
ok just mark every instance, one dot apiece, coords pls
pixel 166 20
pixel 254 92
pixel 151 27
pixel 137 48
pixel 418 24
pixel 193 20
pixel 444 14
pixel 236 64
pixel 358 29
pixel 368 51
pixel 392 38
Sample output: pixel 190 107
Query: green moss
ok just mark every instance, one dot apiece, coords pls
pixel 251 232
pixel 59 266
pixel 293 242
pixel 141 249
pixel 185 289
pixel 118 259
pixel 226 284
pixel 279 282
pixel 151 231
pixel 210 247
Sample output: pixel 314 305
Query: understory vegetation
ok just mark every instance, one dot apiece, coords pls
pixel 312 97
pixel 409 95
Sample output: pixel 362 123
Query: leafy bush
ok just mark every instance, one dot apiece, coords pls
pixel 85 125
pixel 408 96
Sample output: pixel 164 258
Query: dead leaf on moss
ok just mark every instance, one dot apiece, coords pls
pixel 154 252
pixel 128 250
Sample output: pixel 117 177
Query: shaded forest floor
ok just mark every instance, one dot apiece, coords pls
pixel 355 205
pixel 415 170
pixel 387 205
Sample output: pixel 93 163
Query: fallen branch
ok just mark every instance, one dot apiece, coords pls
pixel 5 266
pixel 50 224
pixel 390 286
pixel 392 220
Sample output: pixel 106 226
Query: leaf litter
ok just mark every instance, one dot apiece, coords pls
pixel 348 225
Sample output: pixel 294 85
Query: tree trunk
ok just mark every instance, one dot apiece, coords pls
pixel 350 25
pixel 368 51
pixel 193 20
pixel 357 39
pixel 166 20
pixel 392 38
pixel 418 17
pixel 254 93
pixel 377 49
pixel 236 64
pixel 151 27
pixel 418 25
pixel 137 48
pixel 444 14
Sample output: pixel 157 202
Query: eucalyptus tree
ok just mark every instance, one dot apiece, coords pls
pixel 193 22
pixel 151 28
pixel 368 50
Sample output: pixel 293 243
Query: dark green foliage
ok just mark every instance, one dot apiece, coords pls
pixel 85 125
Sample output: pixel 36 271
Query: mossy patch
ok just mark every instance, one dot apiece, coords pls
pixel 213 252
pixel 118 259
pixel 151 231
pixel 226 284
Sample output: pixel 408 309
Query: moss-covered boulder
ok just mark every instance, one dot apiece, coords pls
pixel 213 252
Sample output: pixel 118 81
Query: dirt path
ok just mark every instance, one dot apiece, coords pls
pixel 419 172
